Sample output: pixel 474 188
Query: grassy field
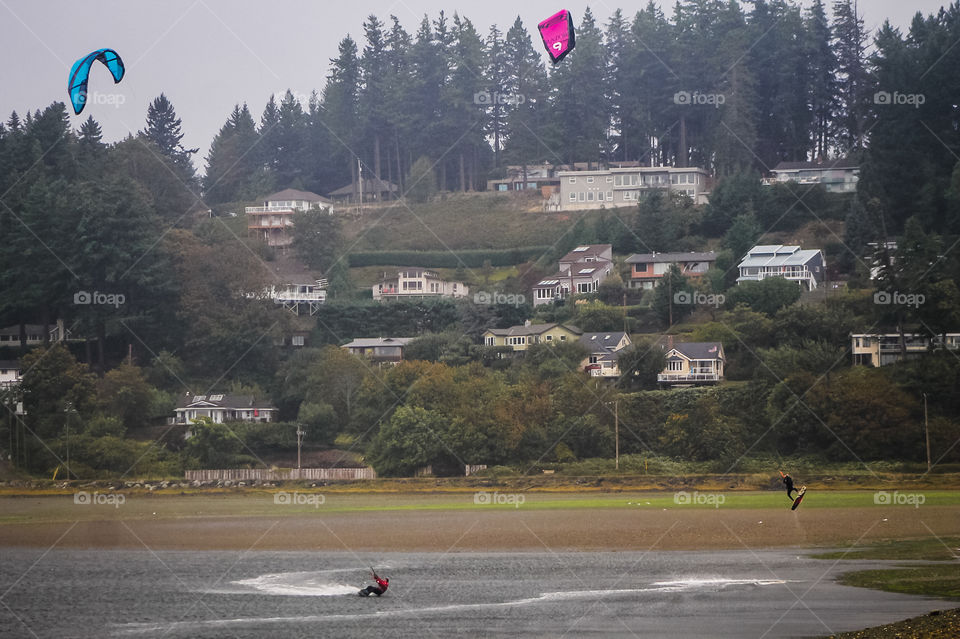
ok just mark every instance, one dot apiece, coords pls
pixel 462 221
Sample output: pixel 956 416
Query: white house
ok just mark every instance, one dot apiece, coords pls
pixel 9 372
pixel 806 267
pixel 692 363
pixel 581 271
pixel 222 408
pixel 837 176
pixel 604 350
pixel 417 284
pixel 273 222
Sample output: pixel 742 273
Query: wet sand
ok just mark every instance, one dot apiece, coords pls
pixel 480 530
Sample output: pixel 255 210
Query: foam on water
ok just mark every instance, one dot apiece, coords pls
pixel 297 584
pixel 309 584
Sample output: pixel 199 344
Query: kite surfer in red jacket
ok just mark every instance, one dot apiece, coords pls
pixel 379 589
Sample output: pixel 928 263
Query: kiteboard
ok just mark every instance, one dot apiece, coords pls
pixel 800 493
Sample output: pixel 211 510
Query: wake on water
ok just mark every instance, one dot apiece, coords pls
pixel 317 584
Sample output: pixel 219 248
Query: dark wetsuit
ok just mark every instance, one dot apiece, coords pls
pixel 788 482
pixel 379 589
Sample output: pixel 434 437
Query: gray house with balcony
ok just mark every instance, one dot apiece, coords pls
pixel 807 267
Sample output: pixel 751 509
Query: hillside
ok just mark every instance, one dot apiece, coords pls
pixel 460 221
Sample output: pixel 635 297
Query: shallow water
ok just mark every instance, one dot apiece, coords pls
pixel 97 593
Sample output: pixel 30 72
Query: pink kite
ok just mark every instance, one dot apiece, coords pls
pixel 557 34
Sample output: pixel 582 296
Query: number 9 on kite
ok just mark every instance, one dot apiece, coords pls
pixel 80 72
pixel 557 34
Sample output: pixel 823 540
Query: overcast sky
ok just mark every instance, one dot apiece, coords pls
pixel 207 55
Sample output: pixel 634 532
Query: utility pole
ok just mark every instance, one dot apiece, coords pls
pixel 300 434
pixel 616 433
pixel 926 430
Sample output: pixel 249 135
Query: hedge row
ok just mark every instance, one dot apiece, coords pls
pixel 472 258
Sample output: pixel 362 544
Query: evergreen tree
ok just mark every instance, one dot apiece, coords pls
pixel 340 105
pixel 233 168
pixel 163 130
pixel 822 81
pixel 854 88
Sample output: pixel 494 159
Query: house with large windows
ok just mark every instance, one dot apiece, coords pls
pixel 837 176
pixel 646 269
pixel 807 267
pixel 625 186
pixel 417 284
pixel 580 271
pixel 881 349
pixel 520 338
pixel 222 407
pixel 272 222
pixel 693 363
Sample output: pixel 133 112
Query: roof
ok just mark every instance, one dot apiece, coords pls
pixel 31 329
pixel 838 163
pixel 602 342
pixel 9 363
pixel 372 342
pixel 294 194
pixel 586 250
pixel 778 255
pixel 370 185
pixel 698 350
pixel 532 329
pixel 645 258
pixel 221 400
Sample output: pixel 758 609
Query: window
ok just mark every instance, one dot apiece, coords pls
pixel 675 366
pixel 573 196
pixel 640 268
pixel 581 197
pixel 609 179
pixel 549 338
pixel 589 179
pixel 489 340
pixel 618 180
pixel 297 340
pixel 589 196
pixel 609 196
pixel 572 180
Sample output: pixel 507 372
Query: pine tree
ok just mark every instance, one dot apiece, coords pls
pixel 163 130
pixel 854 88
pixel 822 81
pixel 340 105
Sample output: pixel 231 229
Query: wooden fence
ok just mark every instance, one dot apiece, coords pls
pixel 264 474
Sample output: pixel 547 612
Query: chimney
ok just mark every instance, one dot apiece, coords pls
pixel 526 323
pixel 669 342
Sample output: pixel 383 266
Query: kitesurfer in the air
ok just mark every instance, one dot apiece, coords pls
pixel 788 482
pixel 379 589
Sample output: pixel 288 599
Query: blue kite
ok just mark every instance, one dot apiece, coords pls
pixel 77 84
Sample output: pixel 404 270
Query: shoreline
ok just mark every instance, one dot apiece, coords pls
pixel 237 523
